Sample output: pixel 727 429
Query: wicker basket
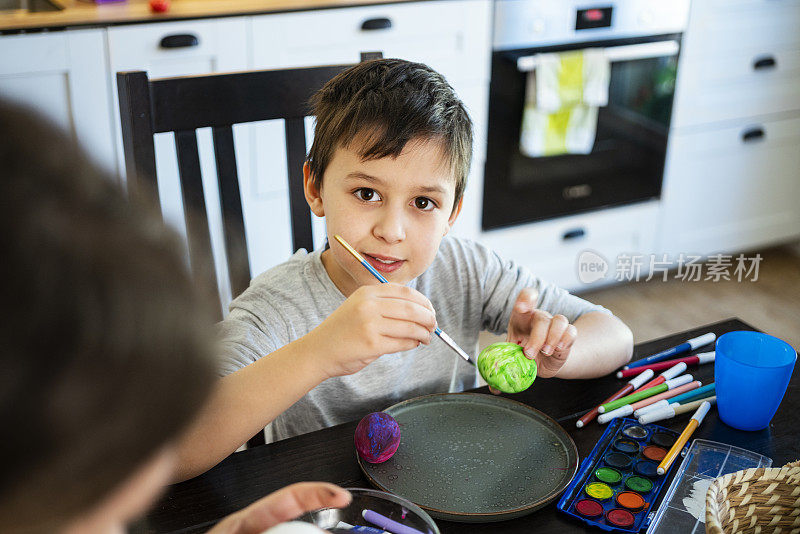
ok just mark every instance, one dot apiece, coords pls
pixel 755 501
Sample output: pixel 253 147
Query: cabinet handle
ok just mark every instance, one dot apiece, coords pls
pixel 575 233
pixel 380 23
pixel 180 40
pixel 766 62
pixel 753 134
pixel 369 56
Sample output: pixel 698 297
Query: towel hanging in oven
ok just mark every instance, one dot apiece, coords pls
pixel 563 93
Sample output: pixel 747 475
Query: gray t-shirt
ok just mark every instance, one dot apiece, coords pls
pixel 470 287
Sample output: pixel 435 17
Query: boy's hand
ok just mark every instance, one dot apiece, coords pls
pixel 373 321
pixel 543 337
pixel 283 505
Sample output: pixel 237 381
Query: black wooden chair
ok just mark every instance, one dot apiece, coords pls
pixel 183 104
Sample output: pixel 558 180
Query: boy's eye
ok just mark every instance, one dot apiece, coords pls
pixel 424 203
pixel 366 194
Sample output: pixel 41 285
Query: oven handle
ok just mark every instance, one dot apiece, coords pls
pixel 617 53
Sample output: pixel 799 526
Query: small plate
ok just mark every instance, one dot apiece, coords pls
pixel 475 458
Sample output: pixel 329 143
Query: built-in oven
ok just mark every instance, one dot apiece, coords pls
pixel 624 164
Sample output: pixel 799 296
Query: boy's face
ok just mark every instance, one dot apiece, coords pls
pixel 394 212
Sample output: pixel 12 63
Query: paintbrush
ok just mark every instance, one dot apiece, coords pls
pixel 439 332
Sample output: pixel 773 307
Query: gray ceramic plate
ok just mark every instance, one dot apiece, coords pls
pixel 475 458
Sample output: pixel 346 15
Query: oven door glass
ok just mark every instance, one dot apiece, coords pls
pixel 625 164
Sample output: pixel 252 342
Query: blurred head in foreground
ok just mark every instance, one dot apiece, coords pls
pixel 103 358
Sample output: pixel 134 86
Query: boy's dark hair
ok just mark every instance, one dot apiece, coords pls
pixel 386 103
pixel 103 353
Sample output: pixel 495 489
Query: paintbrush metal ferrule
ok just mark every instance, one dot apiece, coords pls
pixel 350 249
pixel 452 344
pixel 361 259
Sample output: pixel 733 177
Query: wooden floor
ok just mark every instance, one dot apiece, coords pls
pixel 656 308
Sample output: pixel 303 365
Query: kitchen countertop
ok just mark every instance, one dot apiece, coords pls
pixel 77 13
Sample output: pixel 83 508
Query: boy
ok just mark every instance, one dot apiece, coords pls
pixel 303 344
pixel 105 356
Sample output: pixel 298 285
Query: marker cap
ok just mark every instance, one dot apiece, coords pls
pixel 674 371
pixel 663 403
pixel 706 357
pixel 701 412
pixel 641 379
pixel 657 415
pixel 681 380
pixel 699 341
pixel 622 411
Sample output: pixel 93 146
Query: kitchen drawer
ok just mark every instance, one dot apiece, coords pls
pixel 553 249
pixel 179 48
pixel 750 65
pixel 730 87
pixel 723 193
pixel 739 58
pixel 727 26
pixel 450 36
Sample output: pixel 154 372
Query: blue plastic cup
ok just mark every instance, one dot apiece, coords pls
pixel 751 373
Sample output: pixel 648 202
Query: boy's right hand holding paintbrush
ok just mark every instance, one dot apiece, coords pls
pixel 374 320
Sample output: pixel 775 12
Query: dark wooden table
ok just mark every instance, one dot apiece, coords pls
pixel 328 455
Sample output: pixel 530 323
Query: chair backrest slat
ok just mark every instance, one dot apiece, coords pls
pixel 194 204
pixel 137 136
pixel 231 205
pixel 295 156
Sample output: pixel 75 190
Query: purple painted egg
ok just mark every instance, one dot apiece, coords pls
pixel 377 437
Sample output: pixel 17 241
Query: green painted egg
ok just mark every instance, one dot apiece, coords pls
pixel 505 367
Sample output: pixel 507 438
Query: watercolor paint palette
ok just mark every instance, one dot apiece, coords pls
pixel 617 484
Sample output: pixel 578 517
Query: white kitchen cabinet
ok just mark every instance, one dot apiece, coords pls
pixel 64 76
pixel 731 181
pixel 730 192
pixel 178 49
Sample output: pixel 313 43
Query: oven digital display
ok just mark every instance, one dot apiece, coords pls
pixel 595 17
